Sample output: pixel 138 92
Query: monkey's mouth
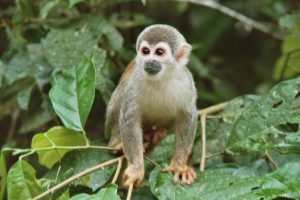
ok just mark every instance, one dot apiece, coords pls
pixel 152 67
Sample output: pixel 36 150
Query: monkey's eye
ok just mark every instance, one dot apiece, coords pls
pixel 159 52
pixel 145 51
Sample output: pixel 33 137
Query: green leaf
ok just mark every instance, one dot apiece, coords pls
pixel 24 10
pixel 20 66
pixel 24 97
pixel 47 7
pixel 72 94
pixel 227 185
pixel 42 69
pixel 2 69
pixel 56 136
pixel 37 115
pixel 77 161
pixel 259 126
pixel 143 2
pixel 3 174
pixel 74 2
pixel 110 192
pixel 288 64
pixel 66 48
pixel 164 151
pixel 21 182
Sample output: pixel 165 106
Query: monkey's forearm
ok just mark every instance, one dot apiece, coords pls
pixel 131 134
pixel 184 136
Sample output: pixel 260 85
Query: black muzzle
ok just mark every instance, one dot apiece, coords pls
pixel 152 67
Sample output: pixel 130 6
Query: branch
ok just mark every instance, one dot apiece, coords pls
pixel 77 176
pixel 129 192
pixel 203 113
pixel 269 30
pixel 203 141
pixel 17 151
pixel 212 109
pixel 269 159
pixel 120 162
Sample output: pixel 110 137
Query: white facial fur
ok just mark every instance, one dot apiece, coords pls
pixel 166 59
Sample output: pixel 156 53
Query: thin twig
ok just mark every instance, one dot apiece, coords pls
pixel 214 155
pixel 203 113
pixel 129 192
pixel 118 170
pixel 77 176
pixel 17 151
pixel 203 141
pixel 152 161
pixel 267 29
pixel 212 109
pixel 269 159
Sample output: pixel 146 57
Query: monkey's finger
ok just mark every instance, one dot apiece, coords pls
pixel 194 175
pixel 183 176
pixel 190 178
pixel 176 178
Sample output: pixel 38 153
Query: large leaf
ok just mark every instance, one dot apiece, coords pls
pixel 37 115
pixel 2 175
pixel 78 161
pixel 2 69
pixel 228 185
pixel 110 192
pixel 20 66
pixel 66 48
pixel 56 136
pixel 43 69
pixel 217 129
pixel 288 64
pixel 72 94
pixel 21 182
pixel 260 126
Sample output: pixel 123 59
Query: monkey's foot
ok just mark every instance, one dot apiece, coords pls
pixel 187 174
pixel 133 174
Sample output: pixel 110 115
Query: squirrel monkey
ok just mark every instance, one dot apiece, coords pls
pixel 156 92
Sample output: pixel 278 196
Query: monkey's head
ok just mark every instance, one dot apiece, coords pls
pixel 161 49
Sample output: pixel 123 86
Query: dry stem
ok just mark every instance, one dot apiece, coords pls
pixel 267 29
pixel 269 159
pixel 203 113
pixel 77 176
pixel 129 192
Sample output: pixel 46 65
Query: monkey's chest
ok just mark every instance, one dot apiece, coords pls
pixel 160 106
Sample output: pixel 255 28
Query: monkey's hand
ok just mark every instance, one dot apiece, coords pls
pixel 187 174
pixel 133 174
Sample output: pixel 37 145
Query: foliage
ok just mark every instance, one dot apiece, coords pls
pixel 61 60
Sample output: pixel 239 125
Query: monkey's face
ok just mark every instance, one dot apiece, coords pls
pixel 155 59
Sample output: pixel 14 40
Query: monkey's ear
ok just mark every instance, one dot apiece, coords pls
pixel 184 52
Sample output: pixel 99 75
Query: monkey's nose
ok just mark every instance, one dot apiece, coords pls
pixel 152 67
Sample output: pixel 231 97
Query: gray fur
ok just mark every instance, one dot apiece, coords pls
pixel 161 32
pixel 140 101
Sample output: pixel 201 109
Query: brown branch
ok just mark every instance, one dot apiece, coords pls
pixel 203 113
pixel 269 159
pixel 212 109
pixel 269 30
pixel 214 155
pixel 120 162
pixel 129 192
pixel 77 176
pixel 203 141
